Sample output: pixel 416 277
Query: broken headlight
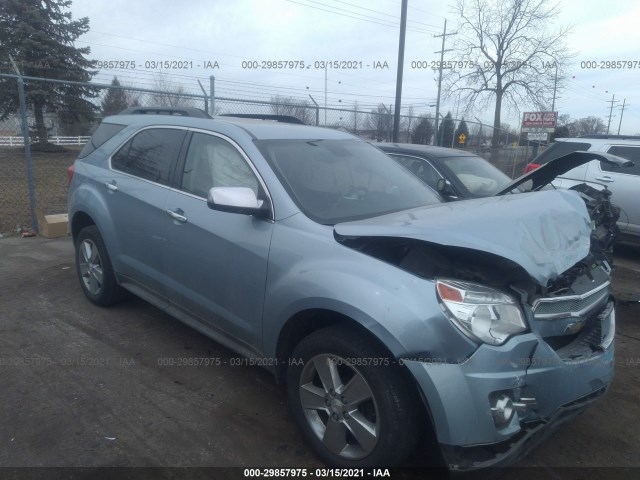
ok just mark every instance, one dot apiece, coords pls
pixel 482 313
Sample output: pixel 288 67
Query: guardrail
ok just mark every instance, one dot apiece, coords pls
pixel 18 141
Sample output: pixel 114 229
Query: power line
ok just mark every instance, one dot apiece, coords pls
pixel 367 18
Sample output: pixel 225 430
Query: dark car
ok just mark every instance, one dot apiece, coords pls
pixel 466 175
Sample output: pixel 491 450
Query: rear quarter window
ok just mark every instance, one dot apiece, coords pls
pixel 104 132
pixel 630 153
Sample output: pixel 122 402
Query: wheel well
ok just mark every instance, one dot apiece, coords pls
pixel 306 322
pixel 80 220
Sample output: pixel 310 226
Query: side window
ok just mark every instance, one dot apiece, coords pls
pixel 150 154
pixel 213 162
pixel 628 152
pixel 421 169
pixel 104 132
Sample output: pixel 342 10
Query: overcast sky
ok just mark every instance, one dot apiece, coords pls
pixel 233 32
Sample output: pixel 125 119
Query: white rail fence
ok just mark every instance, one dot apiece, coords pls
pixel 18 141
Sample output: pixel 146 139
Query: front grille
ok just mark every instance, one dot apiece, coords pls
pixel 570 306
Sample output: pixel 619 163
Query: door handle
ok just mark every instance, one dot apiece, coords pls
pixel 177 215
pixel 606 178
pixel 111 186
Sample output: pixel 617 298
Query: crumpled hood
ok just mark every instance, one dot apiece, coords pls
pixel 544 232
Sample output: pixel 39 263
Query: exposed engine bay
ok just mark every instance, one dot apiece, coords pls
pixel 604 216
pixel 432 260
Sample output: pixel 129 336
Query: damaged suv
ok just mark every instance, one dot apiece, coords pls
pixel 386 312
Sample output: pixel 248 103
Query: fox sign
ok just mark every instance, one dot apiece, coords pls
pixel 539 121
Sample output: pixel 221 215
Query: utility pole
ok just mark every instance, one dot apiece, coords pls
pixel 403 30
pixel 441 52
pixel 612 101
pixel 621 113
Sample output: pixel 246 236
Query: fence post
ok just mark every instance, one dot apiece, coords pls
pixel 212 94
pixel 27 147
pixel 317 110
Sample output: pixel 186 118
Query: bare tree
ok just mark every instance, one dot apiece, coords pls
pixel 509 53
pixel 380 122
pixel 302 110
pixel 169 95
pixel 587 126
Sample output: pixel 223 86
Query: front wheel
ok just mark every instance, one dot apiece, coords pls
pixel 352 403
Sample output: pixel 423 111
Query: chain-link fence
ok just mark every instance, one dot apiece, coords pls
pixel 56 135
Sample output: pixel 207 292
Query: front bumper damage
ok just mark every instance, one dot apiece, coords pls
pixel 544 388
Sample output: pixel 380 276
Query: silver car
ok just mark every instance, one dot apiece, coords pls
pixel 623 182
pixel 387 313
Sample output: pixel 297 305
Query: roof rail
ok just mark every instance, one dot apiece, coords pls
pixel 616 137
pixel 179 111
pixel 258 116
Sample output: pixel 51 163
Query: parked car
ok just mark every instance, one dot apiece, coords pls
pixel 624 183
pixel 466 175
pixel 386 312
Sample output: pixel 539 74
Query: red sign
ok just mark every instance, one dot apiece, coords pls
pixel 539 120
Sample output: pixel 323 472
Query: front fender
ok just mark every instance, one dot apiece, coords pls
pixel 310 270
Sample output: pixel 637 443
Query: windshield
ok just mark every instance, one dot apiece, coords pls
pixel 478 176
pixel 334 181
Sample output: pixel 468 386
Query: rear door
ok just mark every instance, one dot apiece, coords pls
pixel 559 149
pixel 624 184
pixel 216 262
pixel 137 185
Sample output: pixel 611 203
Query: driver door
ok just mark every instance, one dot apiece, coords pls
pixel 216 261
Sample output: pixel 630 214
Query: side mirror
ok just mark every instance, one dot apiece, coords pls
pixel 445 188
pixel 241 200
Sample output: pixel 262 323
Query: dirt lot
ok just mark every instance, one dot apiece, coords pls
pixel 83 386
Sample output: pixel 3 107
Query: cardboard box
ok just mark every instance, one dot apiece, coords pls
pixel 53 226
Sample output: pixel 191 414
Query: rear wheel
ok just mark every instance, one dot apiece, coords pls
pixel 351 402
pixel 94 268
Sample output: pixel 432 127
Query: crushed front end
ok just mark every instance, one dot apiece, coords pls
pixel 527 281
pixel 493 407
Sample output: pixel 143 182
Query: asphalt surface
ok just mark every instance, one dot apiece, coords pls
pixel 84 386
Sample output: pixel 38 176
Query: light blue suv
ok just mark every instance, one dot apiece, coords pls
pixel 387 313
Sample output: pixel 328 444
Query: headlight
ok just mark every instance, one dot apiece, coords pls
pixel 481 312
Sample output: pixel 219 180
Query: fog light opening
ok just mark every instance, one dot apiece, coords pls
pixel 502 410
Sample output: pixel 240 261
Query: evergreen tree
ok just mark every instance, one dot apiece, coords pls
pixel 445 131
pixel 461 130
pixel 115 100
pixel 422 132
pixel 40 35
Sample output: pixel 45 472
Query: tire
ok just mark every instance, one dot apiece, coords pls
pixel 94 268
pixel 355 415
